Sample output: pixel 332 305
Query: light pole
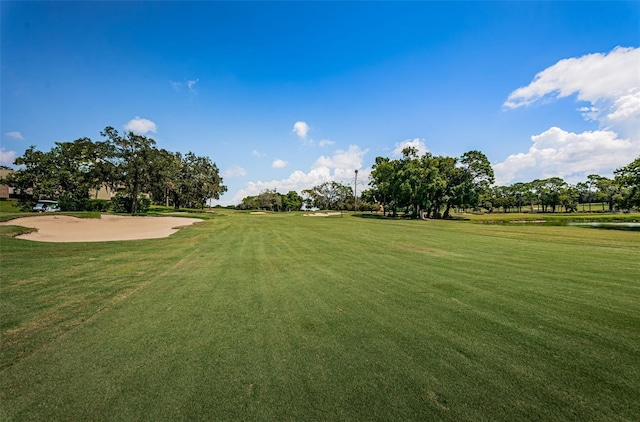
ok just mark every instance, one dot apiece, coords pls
pixel 355 193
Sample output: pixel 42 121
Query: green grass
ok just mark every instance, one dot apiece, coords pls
pixel 284 317
pixel 580 217
pixel 9 205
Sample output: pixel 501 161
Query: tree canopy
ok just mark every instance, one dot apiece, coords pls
pixel 271 200
pixel 553 194
pixel 128 163
pixel 430 186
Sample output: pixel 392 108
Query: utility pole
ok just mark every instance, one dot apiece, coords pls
pixel 355 193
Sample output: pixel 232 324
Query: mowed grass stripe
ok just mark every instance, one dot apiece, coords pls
pixel 283 317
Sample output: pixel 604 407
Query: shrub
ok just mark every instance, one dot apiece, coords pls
pixel 84 204
pixel 122 203
pixel 73 204
pixel 99 205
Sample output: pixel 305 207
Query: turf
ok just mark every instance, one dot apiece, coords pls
pixel 285 317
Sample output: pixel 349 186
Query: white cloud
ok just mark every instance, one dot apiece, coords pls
pixel 610 83
pixel 325 142
pixel 7 157
pixel 342 162
pixel 278 164
pixel 417 143
pixel 297 181
pixel 257 153
pixel 626 106
pixel 572 156
pixel 140 126
pixel 301 129
pixel 16 135
pixel 191 84
pixel 339 167
pixel 593 77
pixel 234 171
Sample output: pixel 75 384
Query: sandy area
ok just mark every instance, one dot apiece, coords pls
pixel 257 213
pixel 322 214
pixel 62 228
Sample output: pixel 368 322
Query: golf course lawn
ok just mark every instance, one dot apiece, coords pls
pixel 283 317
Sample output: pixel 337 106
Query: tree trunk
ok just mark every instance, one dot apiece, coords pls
pixel 446 211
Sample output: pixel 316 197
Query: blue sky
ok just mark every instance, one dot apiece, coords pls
pixel 286 95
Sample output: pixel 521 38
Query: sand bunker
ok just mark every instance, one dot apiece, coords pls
pixel 322 214
pixel 62 228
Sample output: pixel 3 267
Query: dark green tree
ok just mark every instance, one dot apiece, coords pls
pixel 133 156
pixel 292 201
pixel 199 181
pixel 628 178
pixel 66 173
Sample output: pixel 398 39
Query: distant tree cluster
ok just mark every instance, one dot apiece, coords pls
pixel 270 200
pixel 429 186
pixel 425 186
pixel 329 196
pixel 128 164
pixel 553 194
pixel 333 196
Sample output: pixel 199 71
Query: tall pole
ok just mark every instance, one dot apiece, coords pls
pixel 355 193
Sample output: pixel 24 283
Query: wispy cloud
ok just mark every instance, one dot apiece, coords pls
pixel 234 171
pixel 16 135
pixel 188 84
pixel 140 126
pixel 278 164
pixel 191 85
pixel 257 153
pixel 7 157
pixel 325 142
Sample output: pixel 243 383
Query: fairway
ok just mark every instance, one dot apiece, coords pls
pixel 283 317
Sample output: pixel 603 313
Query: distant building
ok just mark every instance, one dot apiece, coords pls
pixel 102 193
pixel 5 190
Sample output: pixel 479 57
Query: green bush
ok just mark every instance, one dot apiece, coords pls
pixel 99 205
pixel 122 203
pixel 84 204
pixel 73 204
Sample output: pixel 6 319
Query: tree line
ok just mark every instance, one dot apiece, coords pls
pixel 553 194
pixel 129 164
pixel 431 186
pixel 423 186
pixel 325 196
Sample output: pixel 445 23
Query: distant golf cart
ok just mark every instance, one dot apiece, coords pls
pixel 46 206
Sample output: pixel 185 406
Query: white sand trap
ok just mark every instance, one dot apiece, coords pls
pixel 322 214
pixel 62 228
pixel 257 213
